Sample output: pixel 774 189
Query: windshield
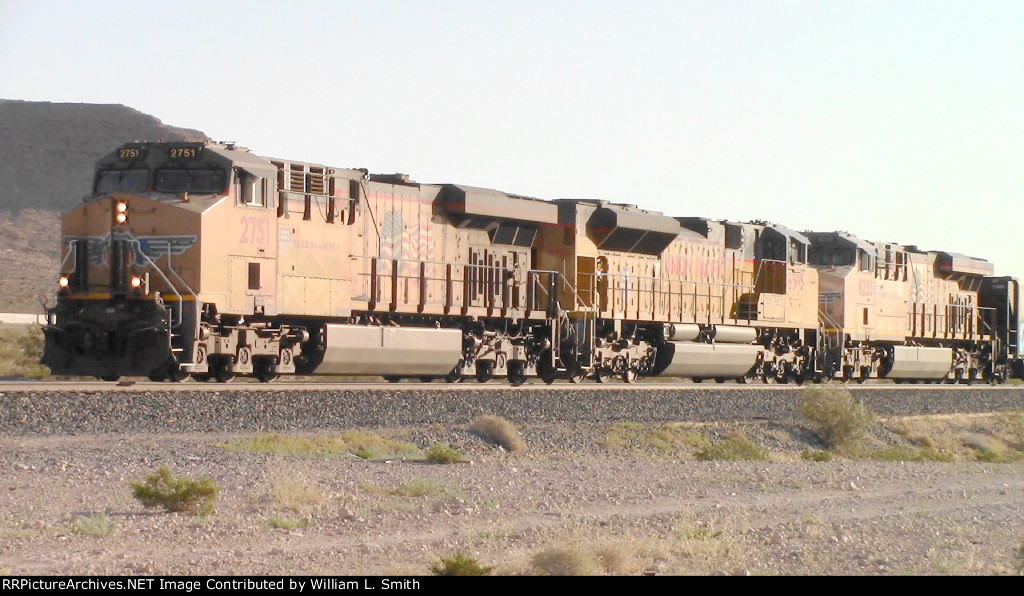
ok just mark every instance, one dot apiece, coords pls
pixel 122 181
pixel 198 181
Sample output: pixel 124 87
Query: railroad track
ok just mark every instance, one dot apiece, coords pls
pixel 494 386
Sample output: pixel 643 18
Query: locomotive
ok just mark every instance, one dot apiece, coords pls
pixel 206 260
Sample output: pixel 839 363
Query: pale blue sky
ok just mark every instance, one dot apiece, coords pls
pixel 895 120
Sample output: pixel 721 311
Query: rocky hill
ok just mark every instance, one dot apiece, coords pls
pixel 47 154
pixel 48 150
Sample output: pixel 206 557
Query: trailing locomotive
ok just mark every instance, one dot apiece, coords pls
pixel 893 311
pixel 204 259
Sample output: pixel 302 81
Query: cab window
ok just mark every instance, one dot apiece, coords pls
pixel 122 181
pixel 250 190
pixel 198 181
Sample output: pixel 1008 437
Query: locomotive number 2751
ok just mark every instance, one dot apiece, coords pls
pixel 182 153
pixel 254 231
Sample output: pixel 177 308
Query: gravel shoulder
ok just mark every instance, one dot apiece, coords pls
pixel 575 501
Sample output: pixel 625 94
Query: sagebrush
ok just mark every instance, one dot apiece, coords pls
pixel 837 418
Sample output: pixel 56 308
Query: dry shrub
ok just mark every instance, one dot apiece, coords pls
pixel 439 453
pixel 940 434
pixel 736 446
pixel 94 525
pixel 1013 420
pixel 460 564
pixel 294 487
pixel 565 560
pixel 287 523
pixel 496 429
pixel 982 442
pixel 20 352
pixel 706 545
pixel 665 439
pixel 991 449
pixel 351 442
pixel 835 416
pixel 296 494
pixel 617 558
pixel 905 453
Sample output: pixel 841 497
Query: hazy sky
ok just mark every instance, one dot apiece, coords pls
pixel 894 120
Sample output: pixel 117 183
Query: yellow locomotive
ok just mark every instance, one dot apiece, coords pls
pixel 898 312
pixel 204 259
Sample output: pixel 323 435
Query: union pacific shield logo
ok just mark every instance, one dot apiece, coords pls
pixel 141 248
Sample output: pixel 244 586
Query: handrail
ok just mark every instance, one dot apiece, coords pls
pixel 137 245
pixel 487 276
pixel 661 289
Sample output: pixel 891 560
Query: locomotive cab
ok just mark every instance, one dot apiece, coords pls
pixel 129 261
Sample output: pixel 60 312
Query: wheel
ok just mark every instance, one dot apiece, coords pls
pixel 176 374
pixel 158 375
pixel 602 374
pixel 697 379
pixel 392 379
pixel 546 369
pixel 750 377
pixel 201 377
pixel 484 371
pixel 719 380
pixel 265 370
pixel 455 374
pixel 110 378
pixel 631 374
pixel 221 370
pixel 426 379
pixel 516 372
pixel 792 377
pixel 576 375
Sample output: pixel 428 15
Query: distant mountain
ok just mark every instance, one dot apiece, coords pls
pixel 48 150
pixel 47 155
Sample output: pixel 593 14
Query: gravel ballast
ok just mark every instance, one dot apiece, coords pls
pixel 71 412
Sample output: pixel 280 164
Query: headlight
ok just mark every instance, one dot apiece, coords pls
pixel 120 212
pixel 136 282
pixel 64 281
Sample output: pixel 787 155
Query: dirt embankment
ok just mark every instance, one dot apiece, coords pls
pixel 581 499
